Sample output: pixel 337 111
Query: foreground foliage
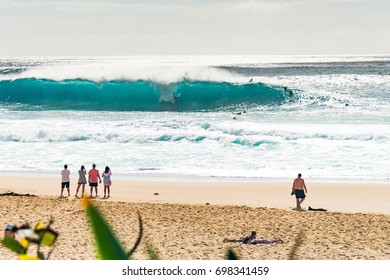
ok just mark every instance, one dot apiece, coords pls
pixel 39 236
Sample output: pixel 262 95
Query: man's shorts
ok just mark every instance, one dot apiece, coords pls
pixel 65 185
pixel 93 185
pixel 300 194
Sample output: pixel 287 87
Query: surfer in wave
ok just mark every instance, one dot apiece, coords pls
pixel 288 91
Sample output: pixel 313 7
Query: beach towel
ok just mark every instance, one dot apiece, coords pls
pixel 316 209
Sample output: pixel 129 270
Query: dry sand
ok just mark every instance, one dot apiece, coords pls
pixel 180 224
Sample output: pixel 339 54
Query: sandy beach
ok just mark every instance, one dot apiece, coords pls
pixel 188 219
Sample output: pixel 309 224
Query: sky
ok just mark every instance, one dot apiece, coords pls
pixel 184 27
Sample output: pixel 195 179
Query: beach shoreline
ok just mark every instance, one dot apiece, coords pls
pixel 349 197
pixel 168 177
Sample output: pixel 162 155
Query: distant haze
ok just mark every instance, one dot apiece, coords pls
pixel 151 27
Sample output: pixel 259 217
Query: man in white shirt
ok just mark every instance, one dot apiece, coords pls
pixel 65 182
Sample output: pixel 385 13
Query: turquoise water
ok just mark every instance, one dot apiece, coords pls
pixel 41 94
pixel 228 117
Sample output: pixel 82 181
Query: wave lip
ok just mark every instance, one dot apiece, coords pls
pixel 140 95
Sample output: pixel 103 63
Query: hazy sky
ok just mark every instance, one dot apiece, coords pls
pixel 126 27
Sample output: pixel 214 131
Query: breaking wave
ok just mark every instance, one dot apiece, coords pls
pixel 140 95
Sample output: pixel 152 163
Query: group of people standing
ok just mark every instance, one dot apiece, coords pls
pixel 94 180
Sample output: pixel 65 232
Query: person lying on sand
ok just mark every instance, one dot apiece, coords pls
pixel 251 239
pixel 247 239
pixel 262 240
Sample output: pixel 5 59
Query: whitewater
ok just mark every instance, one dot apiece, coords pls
pixel 246 117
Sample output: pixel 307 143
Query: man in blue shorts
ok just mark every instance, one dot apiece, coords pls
pixel 299 188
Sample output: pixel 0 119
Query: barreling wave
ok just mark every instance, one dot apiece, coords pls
pixel 78 94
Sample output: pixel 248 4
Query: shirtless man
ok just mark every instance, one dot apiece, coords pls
pixel 299 188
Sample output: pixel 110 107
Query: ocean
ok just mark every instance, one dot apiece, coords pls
pixel 229 117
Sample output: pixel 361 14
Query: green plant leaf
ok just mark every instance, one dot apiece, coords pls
pixel 48 237
pixel 152 251
pixel 107 244
pixel 13 245
pixel 138 241
pixel 231 255
pixel 41 255
pixel 293 254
